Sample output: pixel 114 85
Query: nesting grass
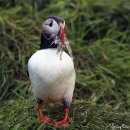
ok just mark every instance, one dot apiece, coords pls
pixel 99 32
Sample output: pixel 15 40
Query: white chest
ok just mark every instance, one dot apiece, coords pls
pixel 51 78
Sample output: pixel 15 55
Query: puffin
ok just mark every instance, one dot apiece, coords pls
pixel 51 69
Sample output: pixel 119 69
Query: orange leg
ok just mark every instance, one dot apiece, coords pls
pixel 42 117
pixel 63 122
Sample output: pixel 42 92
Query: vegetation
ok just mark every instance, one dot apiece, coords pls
pixel 99 32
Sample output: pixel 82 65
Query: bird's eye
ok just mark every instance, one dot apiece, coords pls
pixel 51 23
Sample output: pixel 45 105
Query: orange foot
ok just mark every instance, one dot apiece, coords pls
pixel 63 123
pixel 45 119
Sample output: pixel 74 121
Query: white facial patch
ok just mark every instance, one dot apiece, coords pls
pixel 47 29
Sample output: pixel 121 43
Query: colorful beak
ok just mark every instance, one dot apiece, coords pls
pixel 62 33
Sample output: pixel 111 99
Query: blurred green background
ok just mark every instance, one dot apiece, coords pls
pixel 99 32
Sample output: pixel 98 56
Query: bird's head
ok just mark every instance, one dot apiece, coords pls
pixel 53 34
pixel 53 28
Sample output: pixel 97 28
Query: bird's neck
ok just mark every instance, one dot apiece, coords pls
pixel 47 43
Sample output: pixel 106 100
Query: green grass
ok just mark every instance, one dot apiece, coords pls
pixel 99 32
pixel 22 115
